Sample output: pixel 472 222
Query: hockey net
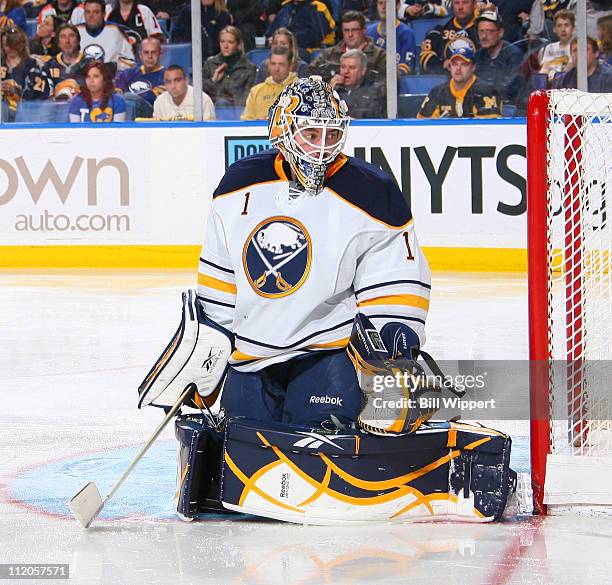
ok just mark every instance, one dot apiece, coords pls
pixel 570 300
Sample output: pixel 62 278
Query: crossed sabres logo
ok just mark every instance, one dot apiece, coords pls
pixel 277 256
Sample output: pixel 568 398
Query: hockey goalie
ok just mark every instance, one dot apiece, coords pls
pixel 312 294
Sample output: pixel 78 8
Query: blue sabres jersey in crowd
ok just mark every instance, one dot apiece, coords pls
pixel 147 84
pixel 95 113
pixel 288 274
pixel 405 43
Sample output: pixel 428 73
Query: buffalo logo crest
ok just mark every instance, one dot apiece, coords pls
pixel 277 256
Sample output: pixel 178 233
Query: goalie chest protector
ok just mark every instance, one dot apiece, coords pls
pixel 447 471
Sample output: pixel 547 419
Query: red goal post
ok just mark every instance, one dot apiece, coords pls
pixel 569 154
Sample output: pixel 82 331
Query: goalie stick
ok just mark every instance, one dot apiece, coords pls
pixel 87 503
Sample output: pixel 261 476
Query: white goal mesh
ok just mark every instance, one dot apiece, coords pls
pixel 578 274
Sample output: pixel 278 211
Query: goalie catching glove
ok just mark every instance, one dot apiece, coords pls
pixel 197 354
pixel 398 398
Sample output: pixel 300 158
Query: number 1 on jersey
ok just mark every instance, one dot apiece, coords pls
pixel 247 196
pixel 410 255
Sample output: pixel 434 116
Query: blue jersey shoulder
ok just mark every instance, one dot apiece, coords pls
pixel 247 171
pixel 371 189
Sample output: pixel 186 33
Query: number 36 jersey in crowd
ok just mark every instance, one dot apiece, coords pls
pixel 288 274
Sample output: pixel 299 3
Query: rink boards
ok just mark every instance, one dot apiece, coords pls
pixel 137 195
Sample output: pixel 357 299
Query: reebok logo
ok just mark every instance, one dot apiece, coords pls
pixel 326 400
pixel 211 361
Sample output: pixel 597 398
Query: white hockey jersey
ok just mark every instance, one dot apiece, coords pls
pixel 554 58
pixel 286 276
pixel 110 45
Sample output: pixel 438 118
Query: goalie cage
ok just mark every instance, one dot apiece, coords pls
pixel 569 153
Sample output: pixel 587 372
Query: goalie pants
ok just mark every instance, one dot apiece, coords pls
pixel 304 391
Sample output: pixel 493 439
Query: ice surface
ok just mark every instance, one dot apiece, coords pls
pixel 74 347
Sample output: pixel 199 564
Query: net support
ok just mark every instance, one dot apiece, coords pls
pixel 537 189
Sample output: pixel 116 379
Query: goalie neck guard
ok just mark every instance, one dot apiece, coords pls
pixel 308 123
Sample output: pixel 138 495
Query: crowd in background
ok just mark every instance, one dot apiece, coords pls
pixel 455 58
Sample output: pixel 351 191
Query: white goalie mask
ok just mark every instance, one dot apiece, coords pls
pixel 308 124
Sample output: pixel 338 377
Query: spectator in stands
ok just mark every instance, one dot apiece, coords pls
pixel 497 61
pixel 44 42
pixel 67 68
pixel 215 18
pixel 514 15
pixel 143 83
pixel 98 101
pixel 12 15
pixel 463 96
pixel 599 74
pixel 104 41
pixel 327 63
pixel 247 16
pixel 309 20
pixel 228 76
pixel 135 17
pixel 176 103
pixel 412 9
pixel 61 8
pixel 405 45
pixel 362 6
pixel 435 48
pixel 263 95
pixel 20 74
pixel 165 9
pixel 283 37
pixel 604 34
pixel 365 99
pixel 556 57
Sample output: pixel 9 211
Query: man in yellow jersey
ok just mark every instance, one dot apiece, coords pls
pixel 463 96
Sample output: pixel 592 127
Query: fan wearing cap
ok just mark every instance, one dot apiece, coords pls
pixel 463 96
pixel 497 61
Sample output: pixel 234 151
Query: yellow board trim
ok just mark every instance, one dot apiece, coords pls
pixel 407 300
pixel 120 256
pixel 187 257
pixel 220 285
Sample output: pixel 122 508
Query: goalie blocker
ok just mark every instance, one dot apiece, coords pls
pixel 197 354
pixel 443 470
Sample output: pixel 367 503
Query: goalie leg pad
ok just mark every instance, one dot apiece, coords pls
pixel 446 471
pixel 199 466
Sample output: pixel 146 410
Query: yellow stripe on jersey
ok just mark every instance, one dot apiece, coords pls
pixel 337 343
pixel 407 300
pixel 237 355
pixel 221 285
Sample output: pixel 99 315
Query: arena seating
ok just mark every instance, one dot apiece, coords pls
pixel 258 56
pixel 408 105
pixel 421 26
pixel 228 113
pixel 177 54
pixel 42 112
pixel 420 83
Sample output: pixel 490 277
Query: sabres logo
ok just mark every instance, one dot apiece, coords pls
pixel 140 86
pixel 95 52
pixel 277 257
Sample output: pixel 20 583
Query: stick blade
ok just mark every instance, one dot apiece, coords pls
pixel 86 504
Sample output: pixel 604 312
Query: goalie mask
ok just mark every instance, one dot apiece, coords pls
pixel 308 124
